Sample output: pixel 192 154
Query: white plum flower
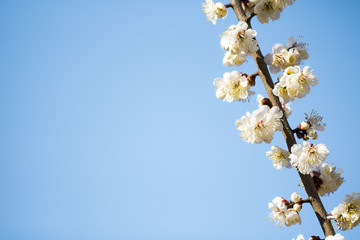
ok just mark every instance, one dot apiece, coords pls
pixel 308 156
pixel 233 86
pixel 266 9
pixel 283 57
pixel 298 50
pixel 260 125
pixel 281 91
pixel 337 236
pixel 295 82
pixel 239 41
pixel 214 11
pixel 281 215
pixel 279 58
pixel 298 81
pixel 327 178
pixel 280 157
pixel 315 121
pixel 347 214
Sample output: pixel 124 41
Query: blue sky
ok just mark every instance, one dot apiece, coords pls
pixel 110 127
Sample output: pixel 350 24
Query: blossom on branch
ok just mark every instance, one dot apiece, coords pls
pixel 214 11
pixel 280 157
pixel 234 86
pixel 308 156
pixel 295 82
pixel 265 9
pixel 347 214
pixel 327 178
pixel 260 125
pixel 239 42
pixel 283 57
pixel 281 214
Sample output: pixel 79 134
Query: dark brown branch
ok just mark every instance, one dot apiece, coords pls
pixel 287 131
pixel 228 5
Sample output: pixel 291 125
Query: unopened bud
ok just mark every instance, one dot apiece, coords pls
pixel 266 101
pixel 299 135
pixel 297 207
pixel 304 125
pixel 316 136
pixel 295 197
pixel 305 137
pixel 251 79
pixel 221 10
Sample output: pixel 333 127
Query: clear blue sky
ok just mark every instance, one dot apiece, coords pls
pixel 110 128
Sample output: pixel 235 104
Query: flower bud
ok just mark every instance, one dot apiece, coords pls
pixel 295 197
pixel 299 134
pixel 297 207
pixel 221 10
pixel 304 125
pixel 251 79
pixel 306 137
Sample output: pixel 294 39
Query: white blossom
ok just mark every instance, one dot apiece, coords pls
pixel 260 125
pixel 232 87
pixel 337 236
pixel 308 156
pixel 315 121
pixel 214 11
pixel 281 215
pixel 295 82
pixel 239 41
pixel 327 178
pixel 266 9
pixel 280 157
pixel 298 50
pixel 283 57
pixel 347 214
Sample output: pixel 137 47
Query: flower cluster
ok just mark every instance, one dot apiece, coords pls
pixel 260 125
pixel 239 42
pixel 327 178
pixel 308 156
pixel 307 129
pixel 347 214
pixel 285 212
pixel 234 86
pixel 214 11
pixel 294 82
pixel 283 57
pixel 271 116
pixel 280 157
